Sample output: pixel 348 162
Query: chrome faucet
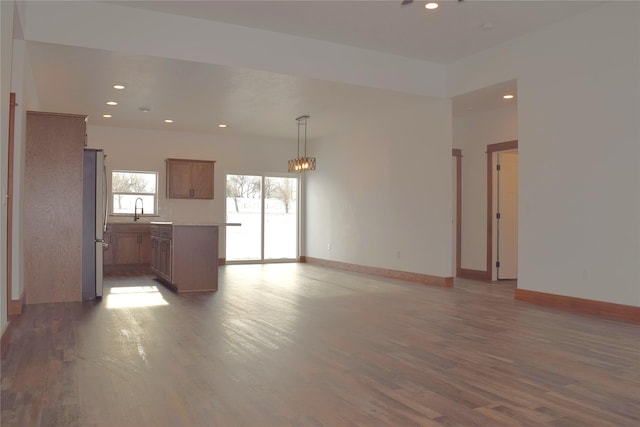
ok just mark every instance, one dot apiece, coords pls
pixel 135 209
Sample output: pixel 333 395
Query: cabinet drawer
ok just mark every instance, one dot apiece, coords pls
pixel 162 232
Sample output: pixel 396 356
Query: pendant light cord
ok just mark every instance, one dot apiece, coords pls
pixel 298 138
pixel 305 137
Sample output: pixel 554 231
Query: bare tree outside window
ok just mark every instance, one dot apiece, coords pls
pixel 267 208
pixel 123 182
pixel 282 189
pixel 242 186
pixel 127 186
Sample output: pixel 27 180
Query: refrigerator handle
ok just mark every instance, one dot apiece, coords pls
pixel 105 195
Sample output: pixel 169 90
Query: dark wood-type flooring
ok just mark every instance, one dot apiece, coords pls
pixel 301 345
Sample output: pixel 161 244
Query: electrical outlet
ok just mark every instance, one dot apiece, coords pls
pixel 328 246
pixel 398 254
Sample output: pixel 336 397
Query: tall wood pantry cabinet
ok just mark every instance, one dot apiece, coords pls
pixel 189 179
pixel 53 207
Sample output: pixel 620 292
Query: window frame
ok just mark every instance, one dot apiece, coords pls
pixel 115 193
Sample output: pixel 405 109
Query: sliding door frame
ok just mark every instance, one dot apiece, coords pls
pixel 263 178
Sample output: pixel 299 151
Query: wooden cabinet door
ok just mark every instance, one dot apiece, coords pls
pixel 154 253
pixel 144 240
pixel 167 260
pixel 190 179
pixel 160 254
pixel 178 179
pixel 126 248
pixel 202 180
pixel 107 253
pixel 164 258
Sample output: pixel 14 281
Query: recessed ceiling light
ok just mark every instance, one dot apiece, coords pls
pixel 222 125
pixel 106 116
pixel 118 87
pixel 112 103
pixel 509 96
pixel 431 5
pixel 168 121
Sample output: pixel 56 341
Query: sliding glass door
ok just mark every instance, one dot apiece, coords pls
pixel 267 208
pixel 280 218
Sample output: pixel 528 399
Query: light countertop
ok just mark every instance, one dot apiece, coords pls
pixel 218 224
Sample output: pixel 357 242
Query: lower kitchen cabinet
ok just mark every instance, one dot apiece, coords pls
pixel 161 257
pixel 107 250
pixel 185 256
pixel 129 248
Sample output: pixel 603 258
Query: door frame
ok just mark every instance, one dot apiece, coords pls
pixel 263 177
pixel 492 148
pixel 12 308
pixel 457 153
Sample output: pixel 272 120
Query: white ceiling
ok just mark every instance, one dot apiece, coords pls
pixel 196 96
pixel 199 96
pixel 451 32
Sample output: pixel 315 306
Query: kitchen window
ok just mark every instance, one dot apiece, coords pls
pixel 129 186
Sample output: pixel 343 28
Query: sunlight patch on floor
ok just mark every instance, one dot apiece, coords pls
pixel 135 296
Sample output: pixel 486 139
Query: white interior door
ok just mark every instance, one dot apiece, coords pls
pixel 507 208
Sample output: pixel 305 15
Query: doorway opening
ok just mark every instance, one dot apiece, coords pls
pixel 457 213
pixel 267 208
pixel 502 211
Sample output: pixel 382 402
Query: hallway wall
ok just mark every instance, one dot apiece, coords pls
pixel 578 132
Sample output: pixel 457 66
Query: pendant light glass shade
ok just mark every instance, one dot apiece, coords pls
pixel 302 163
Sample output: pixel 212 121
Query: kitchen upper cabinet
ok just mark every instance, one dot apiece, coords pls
pixel 190 179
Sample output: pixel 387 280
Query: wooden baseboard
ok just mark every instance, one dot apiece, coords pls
pixel 15 307
pixel 467 273
pixel 383 272
pixel 580 305
pixel 222 261
pixel 302 258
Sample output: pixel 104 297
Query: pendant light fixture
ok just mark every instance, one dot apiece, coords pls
pixel 304 163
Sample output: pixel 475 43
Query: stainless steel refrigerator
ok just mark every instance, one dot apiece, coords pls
pixel 94 222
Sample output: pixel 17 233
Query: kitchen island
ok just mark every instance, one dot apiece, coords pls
pixel 185 256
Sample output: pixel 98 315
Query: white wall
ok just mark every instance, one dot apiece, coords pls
pixel 578 109
pixel 23 85
pixel 472 133
pixel 146 150
pixel 6 39
pixel 383 186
